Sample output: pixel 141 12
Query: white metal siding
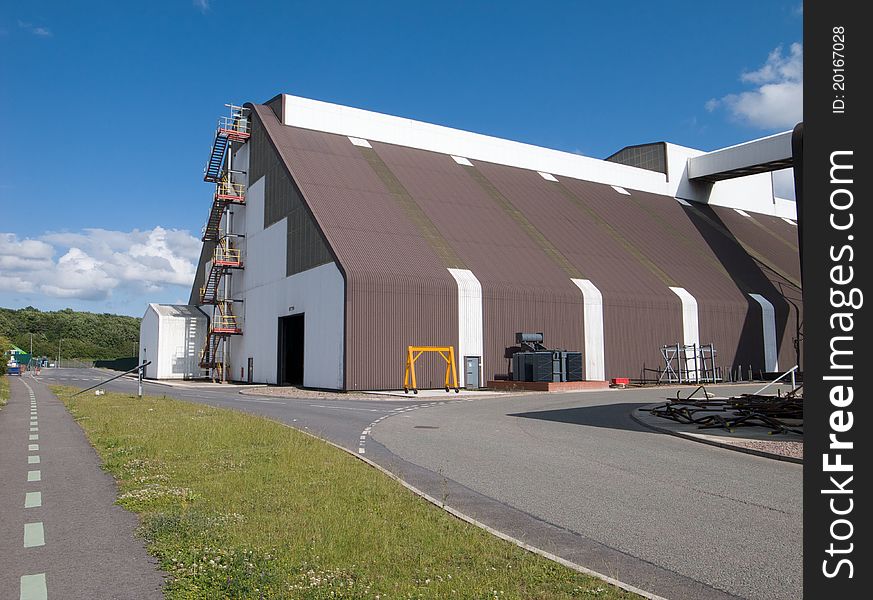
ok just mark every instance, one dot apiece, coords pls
pixel 320 294
pixel 148 341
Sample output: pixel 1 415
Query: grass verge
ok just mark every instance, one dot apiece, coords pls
pixel 4 390
pixel 236 506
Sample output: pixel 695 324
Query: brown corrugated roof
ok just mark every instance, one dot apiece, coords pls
pixel 397 217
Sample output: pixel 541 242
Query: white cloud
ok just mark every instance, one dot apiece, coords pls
pixel 777 101
pixel 94 264
pixel 35 30
pixel 13 283
pixel 202 5
pixel 26 255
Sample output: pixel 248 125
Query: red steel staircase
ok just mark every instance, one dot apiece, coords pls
pixel 227 256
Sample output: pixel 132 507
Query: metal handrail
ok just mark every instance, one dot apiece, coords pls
pixel 788 372
pixel 235 123
pixel 136 368
pixel 227 188
pixel 225 321
pixel 226 254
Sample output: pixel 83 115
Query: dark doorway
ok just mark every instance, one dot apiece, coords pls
pixel 291 350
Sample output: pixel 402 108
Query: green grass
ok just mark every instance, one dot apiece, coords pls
pixel 236 506
pixel 4 390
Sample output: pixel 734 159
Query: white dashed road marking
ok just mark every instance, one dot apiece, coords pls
pixel 362 443
pixel 34 535
pixel 33 587
pixel 33 500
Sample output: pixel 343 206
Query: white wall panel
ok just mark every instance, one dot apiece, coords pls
pixel 594 353
pixel 470 335
pixel 266 255
pixel 148 341
pixel 768 317
pixel 690 328
pixel 753 193
pixel 320 294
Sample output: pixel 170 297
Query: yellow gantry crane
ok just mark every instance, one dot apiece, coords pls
pixel 413 353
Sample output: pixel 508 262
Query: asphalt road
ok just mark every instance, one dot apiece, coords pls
pixel 571 474
pixel 729 520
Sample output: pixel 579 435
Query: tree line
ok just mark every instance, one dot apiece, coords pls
pixel 82 335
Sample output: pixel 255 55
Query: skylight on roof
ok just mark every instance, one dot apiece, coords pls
pixel 620 190
pixel 461 160
pixel 742 212
pixel 547 176
pixel 683 202
pixel 360 142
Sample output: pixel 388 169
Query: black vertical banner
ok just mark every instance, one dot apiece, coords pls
pixel 834 198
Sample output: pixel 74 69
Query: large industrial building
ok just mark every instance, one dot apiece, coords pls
pixel 338 237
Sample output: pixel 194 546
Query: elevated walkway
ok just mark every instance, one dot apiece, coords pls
pixel 758 156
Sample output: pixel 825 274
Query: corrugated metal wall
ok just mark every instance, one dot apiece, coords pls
pixel 640 312
pixel 398 291
pixel 522 289
pixel 645 156
pixel 397 217
pixel 306 247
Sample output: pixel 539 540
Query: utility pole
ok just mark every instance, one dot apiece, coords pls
pixel 59 352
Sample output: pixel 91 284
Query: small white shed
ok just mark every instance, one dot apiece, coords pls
pixel 171 336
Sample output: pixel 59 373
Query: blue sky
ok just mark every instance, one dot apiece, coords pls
pixel 110 106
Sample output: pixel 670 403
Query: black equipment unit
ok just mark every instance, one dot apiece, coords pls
pixel 535 362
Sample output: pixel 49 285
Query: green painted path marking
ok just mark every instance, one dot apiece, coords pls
pixel 34 475
pixel 33 446
pixel 33 437
pixel 33 459
pixel 33 500
pixel 34 535
pixel 33 587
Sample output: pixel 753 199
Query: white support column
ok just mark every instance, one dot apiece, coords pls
pixel 470 334
pixel 592 316
pixel 768 318
pixel 690 328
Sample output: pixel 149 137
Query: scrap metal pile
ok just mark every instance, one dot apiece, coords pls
pixel 779 414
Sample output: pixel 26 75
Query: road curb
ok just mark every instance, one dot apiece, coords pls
pixel 685 436
pixel 468 519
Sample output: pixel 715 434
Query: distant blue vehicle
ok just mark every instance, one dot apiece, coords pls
pixel 13 369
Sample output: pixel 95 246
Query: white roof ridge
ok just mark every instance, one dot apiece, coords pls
pixel 379 127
